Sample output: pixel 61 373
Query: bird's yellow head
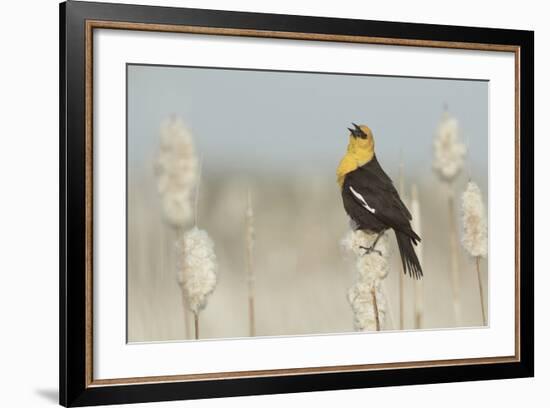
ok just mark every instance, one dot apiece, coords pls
pixel 361 143
pixel 360 151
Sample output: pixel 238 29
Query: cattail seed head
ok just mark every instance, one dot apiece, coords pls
pixel 373 265
pixel 474 238
pixel 197 268
pixel 176 172
pixel 365 297
pixel 449 151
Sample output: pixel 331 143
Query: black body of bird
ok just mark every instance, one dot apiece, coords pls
pixel 371 200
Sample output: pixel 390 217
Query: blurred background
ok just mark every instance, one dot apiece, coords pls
pixel 281 135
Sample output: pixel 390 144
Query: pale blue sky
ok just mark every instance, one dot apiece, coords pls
pixel 286 122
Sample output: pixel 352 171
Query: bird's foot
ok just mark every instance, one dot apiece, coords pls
pixel 370 249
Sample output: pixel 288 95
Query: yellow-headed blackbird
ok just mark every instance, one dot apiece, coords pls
pixel 371 200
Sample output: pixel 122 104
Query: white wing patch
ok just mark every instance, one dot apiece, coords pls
pixel 362 200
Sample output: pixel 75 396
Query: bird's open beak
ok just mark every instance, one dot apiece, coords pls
pixel 357 132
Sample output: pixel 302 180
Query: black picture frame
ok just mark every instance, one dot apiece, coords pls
pixel 75 389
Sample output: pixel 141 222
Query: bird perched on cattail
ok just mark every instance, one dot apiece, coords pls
pixel 371 200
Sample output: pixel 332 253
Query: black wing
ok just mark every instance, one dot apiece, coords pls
pixel 375 196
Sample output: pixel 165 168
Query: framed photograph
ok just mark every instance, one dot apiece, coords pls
pixel 256 203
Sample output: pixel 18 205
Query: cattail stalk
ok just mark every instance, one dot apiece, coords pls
pixel 366 297
pixel 197 266
pixel 481 297
pixel 250 238
pixel 419 283
pixel 175 171
pixel 453 247
pixel 186 319
pixel 196 316
pixel 402 194
pixel 375 308
pixel 474 238
pixel 449 153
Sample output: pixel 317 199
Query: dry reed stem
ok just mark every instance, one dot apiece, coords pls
pixel 168 264
pixel 375 306
pixel 186 320
pixel 249 233
pixel 196 325
pixel 401 275
pixel 419 283
pixel 186 313
pixel 481 296
pixel 449 153
pixel 174 234
pixel 197 267
pixel 418 312
pixel 401 301
pixel 453 242
pixel 251 316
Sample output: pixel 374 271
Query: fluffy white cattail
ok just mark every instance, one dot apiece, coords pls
pixel 176 172
pixel 366 298
pixel 373 265
pixel 449 151
pixel 197 268
pixel 474 238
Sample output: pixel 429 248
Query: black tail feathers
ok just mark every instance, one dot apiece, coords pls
pixel 408 254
